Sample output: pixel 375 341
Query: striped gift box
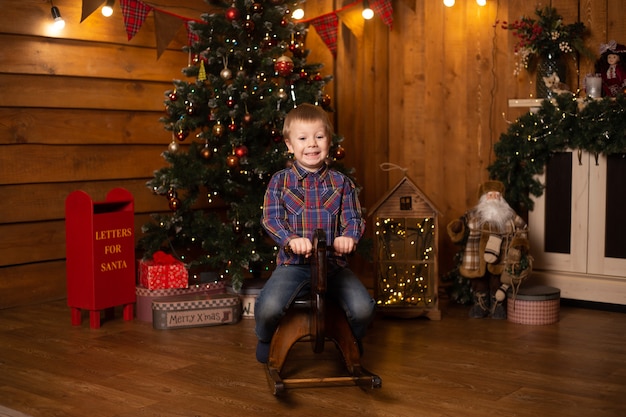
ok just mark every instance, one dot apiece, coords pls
pixel 195 310
pixel 535 305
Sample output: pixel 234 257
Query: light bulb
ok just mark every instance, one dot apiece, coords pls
pixel 367 13
pixel 59 23
pixel 481 3
pixel 107 9
pixel 448 3
pixel 297 14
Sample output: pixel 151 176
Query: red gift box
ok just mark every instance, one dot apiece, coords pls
pixel 162 272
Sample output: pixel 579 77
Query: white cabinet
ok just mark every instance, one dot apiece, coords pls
pixel 578 227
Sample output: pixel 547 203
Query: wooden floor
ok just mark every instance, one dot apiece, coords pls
pixel 452 367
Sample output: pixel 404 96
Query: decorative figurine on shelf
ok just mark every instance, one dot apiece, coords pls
pixel 553 83
pixel 495 250
pixel 612 67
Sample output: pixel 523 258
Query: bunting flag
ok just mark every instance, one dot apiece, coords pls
pixel 168 25
pixel 353 20
pixel 192 36
pixel 326 27
pixel 134 12
pixel 89 6
pixel 384 10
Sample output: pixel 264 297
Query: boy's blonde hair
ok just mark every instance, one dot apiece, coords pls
pixel 307 113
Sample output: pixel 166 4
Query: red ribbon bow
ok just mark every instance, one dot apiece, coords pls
pixel 162 258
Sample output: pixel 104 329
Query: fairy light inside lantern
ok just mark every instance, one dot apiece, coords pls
pixel 406 238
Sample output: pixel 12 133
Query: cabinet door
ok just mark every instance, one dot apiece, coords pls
pixel 607 208
pixel 558 222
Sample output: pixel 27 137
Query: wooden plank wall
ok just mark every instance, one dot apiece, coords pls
pixel 79 110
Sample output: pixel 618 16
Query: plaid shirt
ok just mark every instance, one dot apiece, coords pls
pixel 298 201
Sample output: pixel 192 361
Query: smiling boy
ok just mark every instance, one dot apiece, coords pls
pixel 298 200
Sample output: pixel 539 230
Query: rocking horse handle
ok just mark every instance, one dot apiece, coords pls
pixel 318 290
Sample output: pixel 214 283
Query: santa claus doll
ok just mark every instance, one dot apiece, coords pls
pixel 494 240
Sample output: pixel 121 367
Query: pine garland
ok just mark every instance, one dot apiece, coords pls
pixel 595 126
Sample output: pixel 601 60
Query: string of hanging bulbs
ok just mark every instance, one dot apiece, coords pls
pixel 450 3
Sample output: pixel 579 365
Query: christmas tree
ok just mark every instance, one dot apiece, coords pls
pixel 248 69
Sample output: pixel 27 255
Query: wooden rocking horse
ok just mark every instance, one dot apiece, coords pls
pixel 316 320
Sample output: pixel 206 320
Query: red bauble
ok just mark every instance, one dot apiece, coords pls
pixel 181 135
pixel 257 8
pixel 174 204
pixel 340 152
pixel 232 13
pixel 247 118
pixel 230 102
pixel 241 151
pixel 248 25
pixel 232 127
pixel 173 96
pixel 232 161
pixel 283 66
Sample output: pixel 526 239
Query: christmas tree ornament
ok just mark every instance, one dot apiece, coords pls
pixel 340 152
pixel 275 135
pixel 173 96
pixel 171 193
pixel 232 126
pixel 174 204
pixel 241 151
pixel 190 108
pixel 232 13
pixel 257 8
pixel 218 129
pixel 247 118
pixel 303 74
pixel 230 102
pixel 283 66
pixel 202 72
pixel 281 94
pixel 173 147
pixel 237 226
pixel 248 25
pixel 232 161
pixel 182 134
pixel 326 101
pixel 226 74
pixel 206 152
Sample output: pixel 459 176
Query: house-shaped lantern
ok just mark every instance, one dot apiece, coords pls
pixel 406 241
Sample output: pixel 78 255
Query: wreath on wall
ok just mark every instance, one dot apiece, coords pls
pixel 597 126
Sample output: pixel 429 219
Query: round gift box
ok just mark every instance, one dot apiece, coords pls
pixel 534 305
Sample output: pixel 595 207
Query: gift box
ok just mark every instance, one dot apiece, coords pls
pixel 146 296
pixel 162 272
pixel 195 310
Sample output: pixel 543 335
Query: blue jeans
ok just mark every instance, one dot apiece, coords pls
pixel 289 282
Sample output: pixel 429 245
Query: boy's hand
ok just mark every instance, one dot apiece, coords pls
pixel 301 246
pixel 344 245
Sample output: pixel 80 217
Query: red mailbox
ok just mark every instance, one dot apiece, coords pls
pixel 100 251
